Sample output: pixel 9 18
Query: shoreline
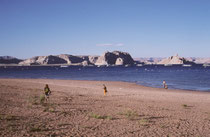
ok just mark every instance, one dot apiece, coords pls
pixel 135 77
pixel 170 89
pixel 79 108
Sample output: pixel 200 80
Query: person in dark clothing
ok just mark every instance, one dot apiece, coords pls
pixel 165 85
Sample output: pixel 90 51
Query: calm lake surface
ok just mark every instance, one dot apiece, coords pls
pixel 195 77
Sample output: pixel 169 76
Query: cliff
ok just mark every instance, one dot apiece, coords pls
pixel 108 58
pixel 115 58
pixel 43 60
pixel 175 60
pixel 9 60
pixel 71 59
pixel 151 60
pixel 200 60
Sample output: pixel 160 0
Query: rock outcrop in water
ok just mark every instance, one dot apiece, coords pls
pixel 150 60
pixel 43 60
pixel 70 59
pixel 9 60
pixel 59 59
pixel 108 58
pixel 175 60
pixel 115 58
pixel 200 60
pixel 93 59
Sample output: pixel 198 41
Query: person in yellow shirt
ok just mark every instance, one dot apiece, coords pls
pixel 105 90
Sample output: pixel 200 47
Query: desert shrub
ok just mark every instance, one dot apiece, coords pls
pixel 129 114
pixel 33 100
pixel 96 116
pixel 143 122
pixel 49 107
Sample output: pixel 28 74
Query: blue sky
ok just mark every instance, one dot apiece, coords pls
pixel 144 28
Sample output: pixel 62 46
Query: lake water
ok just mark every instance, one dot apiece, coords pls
pixel 196 77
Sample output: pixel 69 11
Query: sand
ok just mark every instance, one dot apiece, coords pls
pixel 79 108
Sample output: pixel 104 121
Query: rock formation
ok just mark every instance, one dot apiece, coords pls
pixel 108 58
pixel 43 60
pixel 175 60
pixel 119 61
pixel 93 59
pixel 9 60
pixel 115 58
pixel 150 60
pixel 70 59
pixel 200 60
pixel 60 59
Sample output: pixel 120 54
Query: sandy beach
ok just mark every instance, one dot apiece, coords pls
pixel 79 108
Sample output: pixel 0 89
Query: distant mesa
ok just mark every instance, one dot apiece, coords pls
pixel 150 60
pixel 200 60
pixel 108 58
pixel 165 61
pixel 175 60
pixel 115 58
pixel 43 60
pixel 70 59
pixel 9 60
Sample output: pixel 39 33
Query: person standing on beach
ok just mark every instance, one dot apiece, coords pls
pixel 165 85
pixel 105 90
pixel 47 91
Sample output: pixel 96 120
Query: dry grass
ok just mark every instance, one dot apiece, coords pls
pixel 97 116
pixel 129 114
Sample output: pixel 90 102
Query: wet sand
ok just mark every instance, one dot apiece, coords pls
pixel 79 108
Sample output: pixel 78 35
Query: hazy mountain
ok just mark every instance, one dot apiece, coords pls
pixel 108 58
pixel 200 60
pixel 151 60
pixel 9 60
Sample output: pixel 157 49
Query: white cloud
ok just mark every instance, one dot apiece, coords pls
pixel 104 45
pixel 119 44
pixel 110 45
